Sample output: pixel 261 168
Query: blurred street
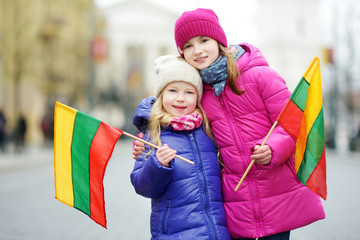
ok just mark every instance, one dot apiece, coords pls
pixel 97 56
pixel 29 210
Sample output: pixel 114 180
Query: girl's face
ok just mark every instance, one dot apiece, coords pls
pixel 179 98
pixel 200 52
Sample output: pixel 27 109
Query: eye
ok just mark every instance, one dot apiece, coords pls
pixel 204 40
pixel 172 90
pixel 190 92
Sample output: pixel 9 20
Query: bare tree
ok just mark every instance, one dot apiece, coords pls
pixel 18 44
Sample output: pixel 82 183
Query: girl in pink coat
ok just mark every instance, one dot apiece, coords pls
pixel 242 98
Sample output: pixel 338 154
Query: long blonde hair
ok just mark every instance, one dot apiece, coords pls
pixel 159 119
pixel 232 70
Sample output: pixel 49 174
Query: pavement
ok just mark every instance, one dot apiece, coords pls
pixel 27 158
pixel 342 208
pixel 33 156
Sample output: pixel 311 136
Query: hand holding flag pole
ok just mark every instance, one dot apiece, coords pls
pixel 155 146
pixel 262 144
pixel 303 119
pixel 253 161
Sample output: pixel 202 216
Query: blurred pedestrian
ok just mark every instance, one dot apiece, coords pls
pixel 19 135
pixel 355 138
pixel 47 129
pixel 2 131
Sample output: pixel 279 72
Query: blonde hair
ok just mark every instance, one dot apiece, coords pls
pixel 232 70
pixel 159 119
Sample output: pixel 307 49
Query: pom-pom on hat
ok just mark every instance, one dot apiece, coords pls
pixel 171 68
pixel 199 22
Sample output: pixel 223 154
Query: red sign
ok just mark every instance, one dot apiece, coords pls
pixel 99 49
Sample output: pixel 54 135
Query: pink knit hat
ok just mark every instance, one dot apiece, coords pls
pixel 199 22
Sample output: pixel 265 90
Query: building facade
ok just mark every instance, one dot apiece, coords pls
pixel 137 32
pixel 289 36
pixel 45 57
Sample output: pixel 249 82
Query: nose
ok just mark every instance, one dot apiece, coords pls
pixel 180 97
pixel 198 49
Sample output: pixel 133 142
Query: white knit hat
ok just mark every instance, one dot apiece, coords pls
pixel 171 68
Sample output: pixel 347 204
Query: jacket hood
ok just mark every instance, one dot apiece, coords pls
pixel 251 58
pixel 142 114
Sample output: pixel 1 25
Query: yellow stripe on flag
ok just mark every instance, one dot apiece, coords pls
pixel 312 108
pixel 63 128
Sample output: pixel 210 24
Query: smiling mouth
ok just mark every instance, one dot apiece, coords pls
pixel 179 107
pixel 200 59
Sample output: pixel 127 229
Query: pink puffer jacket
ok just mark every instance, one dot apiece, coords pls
pixel 271 199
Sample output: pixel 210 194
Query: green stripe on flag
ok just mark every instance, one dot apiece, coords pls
pixel 299 95
pixel 314 148
pixel 85 128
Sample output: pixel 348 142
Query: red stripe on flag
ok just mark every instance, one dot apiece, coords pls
pixel 290 119
pixel 317 179
pixel 100 152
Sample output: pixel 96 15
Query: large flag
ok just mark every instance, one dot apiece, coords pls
pixel 302 117
pixel 82 148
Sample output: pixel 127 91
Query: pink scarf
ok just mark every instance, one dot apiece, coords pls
pixel 186 122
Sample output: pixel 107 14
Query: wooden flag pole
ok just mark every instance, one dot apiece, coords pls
pixel 154 146
pixel 252 161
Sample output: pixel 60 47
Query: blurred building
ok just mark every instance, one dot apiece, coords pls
pixel 289 36
pixel 1 64
pixel 45 52
pixel 137 32
pixel 291 33
pixel 344 19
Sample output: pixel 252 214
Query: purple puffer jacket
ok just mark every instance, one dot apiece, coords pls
pixel 271 199
pixel 186 201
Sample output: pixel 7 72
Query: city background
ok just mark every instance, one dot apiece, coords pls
pixel 97 56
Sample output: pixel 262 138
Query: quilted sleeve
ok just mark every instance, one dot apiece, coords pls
pixel 275 94
pixel 149 177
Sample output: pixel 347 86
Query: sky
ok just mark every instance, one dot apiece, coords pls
pixel 230 13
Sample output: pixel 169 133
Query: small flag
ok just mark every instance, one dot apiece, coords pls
pixel 82 148
pixel 303 119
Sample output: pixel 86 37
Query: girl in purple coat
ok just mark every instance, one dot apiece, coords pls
pixel 242 98
pixel 186 199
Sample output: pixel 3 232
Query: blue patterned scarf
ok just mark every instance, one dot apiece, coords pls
pixel 216 73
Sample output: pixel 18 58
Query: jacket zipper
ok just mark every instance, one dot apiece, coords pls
pixel 204 192
pixel 232 123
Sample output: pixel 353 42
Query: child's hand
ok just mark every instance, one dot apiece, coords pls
pixel 262 155
pixel 165 154
pixel 138 147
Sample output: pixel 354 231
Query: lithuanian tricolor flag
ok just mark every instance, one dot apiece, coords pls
pixel 82 148
pixel 302 117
